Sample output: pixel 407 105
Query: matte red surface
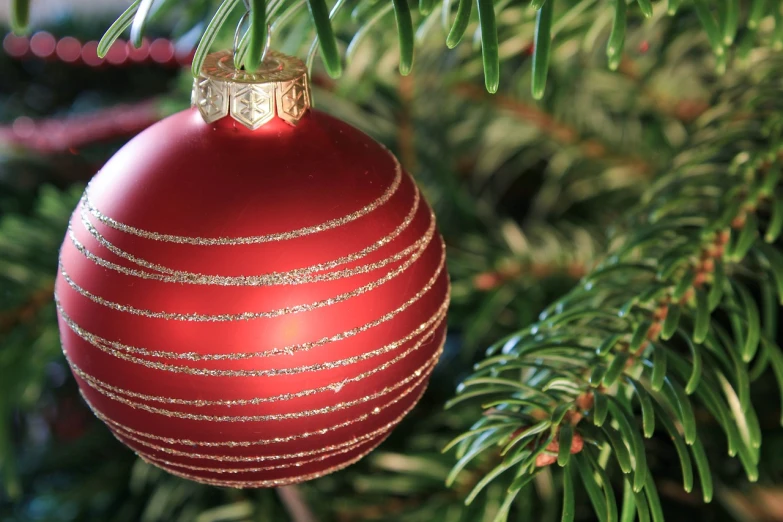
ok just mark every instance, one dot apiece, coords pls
pixel 184 177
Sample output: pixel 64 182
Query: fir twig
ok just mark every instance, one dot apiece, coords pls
pixel 555 130
pixel 639 328
pixel 685 110
pixel 547 15
pixel 494 278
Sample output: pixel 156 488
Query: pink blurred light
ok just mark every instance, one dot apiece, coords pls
pixel 43 44
pixel 140 54
pixel 118 53
pixel 185 56
pixel 16 46
pixel 90 54
pixel 23 127
pixel 69 49
pixel 162 51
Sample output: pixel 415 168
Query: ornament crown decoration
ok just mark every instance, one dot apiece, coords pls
pixel 279 87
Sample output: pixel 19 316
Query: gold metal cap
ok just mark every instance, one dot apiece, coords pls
pixel 279 87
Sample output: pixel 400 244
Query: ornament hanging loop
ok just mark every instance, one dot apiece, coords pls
pixel 240 44
pixel 268 42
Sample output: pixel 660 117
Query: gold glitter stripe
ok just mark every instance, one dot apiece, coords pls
pixel 279 236
pixel 350 444
pixel 100 343
pixel 288 350
pixel 335 449
pixel 197 317
pixel 278 278
pixel 117 349
pixel 427 366
pixel 275 417
pixel 296 276
pixel 159 461
pixel 114 425
pixel 334 387
pixel 265 483
pixel 260 442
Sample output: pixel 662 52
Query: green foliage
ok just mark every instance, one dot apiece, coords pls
pixel 140 20
pixel 644 332
pixel 258 34
pixel 28 253
pixel 542 43
pixel 720 30
pixel 20 15
pixel 118 27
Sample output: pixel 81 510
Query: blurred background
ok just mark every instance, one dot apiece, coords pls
pixel 525 193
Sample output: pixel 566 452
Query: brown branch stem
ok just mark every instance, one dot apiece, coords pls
pixel 295 504
pixel 489 280
pixel 28 310
pixel 684 110
pixel 407 141
pixel 556 130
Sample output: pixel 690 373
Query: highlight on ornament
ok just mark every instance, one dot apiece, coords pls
pixel 252 293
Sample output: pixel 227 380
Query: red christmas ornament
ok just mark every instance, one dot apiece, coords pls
pixel 252 308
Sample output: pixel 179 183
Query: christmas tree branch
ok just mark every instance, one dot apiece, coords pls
pixel 555 130
pixel 686 110
pixel 26 325
pixel 640 345
pixel 548 16
pixel 407 137
pixel 39 299
pixel 493 279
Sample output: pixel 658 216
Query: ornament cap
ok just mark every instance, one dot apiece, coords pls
pixel 279 87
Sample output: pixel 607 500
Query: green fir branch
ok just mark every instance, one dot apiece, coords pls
pixel 20 16
pixel 549 18
pixel 28 330
pixel 643 339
